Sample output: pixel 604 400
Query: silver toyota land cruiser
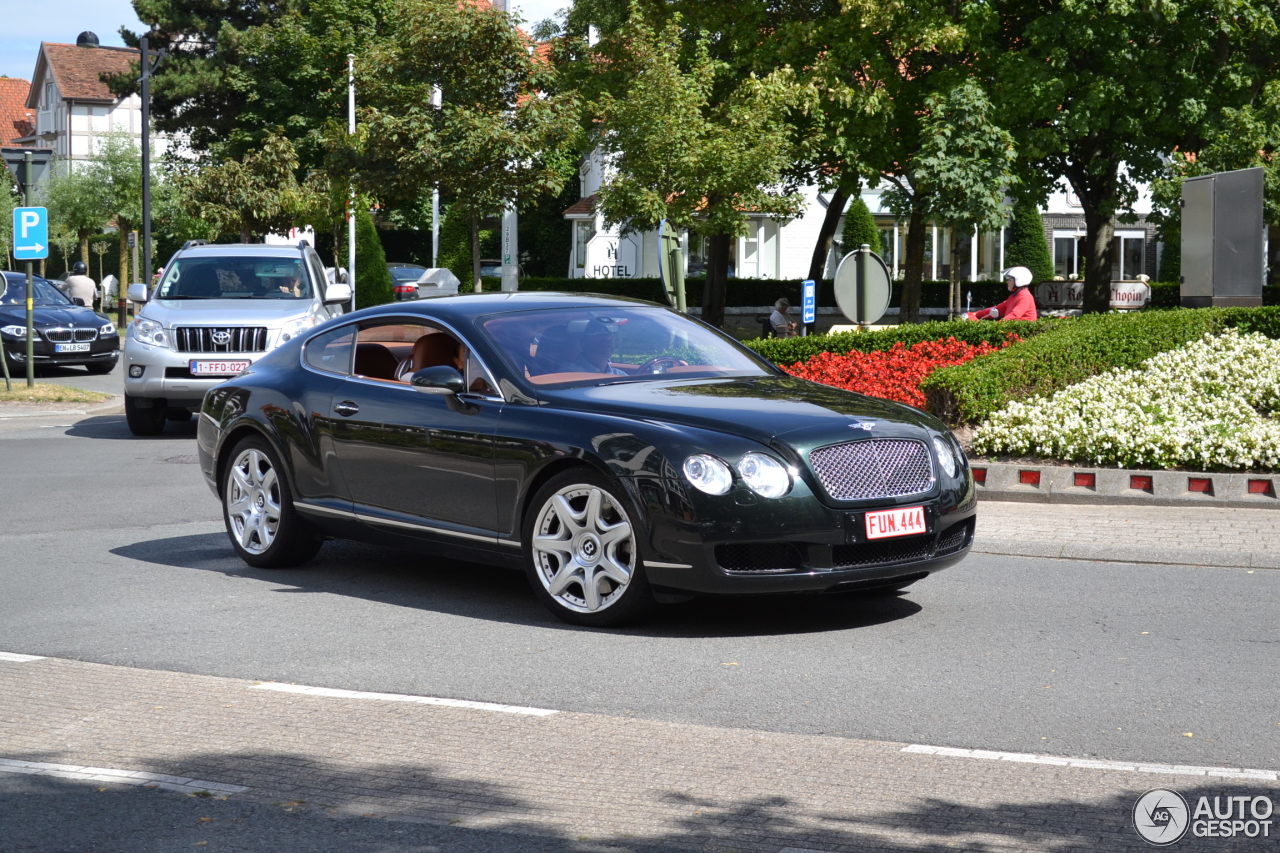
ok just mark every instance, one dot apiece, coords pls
pixel 216 310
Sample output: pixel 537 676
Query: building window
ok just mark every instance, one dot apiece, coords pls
pixel 1128 255
pixel 1066 253
pixel 583 231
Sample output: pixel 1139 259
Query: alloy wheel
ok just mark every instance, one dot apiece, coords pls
pixel 584 548
pixel 253 500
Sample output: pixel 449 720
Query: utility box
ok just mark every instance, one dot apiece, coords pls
pixel 1224 242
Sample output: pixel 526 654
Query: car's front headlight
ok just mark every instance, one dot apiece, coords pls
pixel 296 327
pixel 946 458
pixel 149 332
pixel 14 331
pixel 708 474
pixel 766 476
pixel 109 329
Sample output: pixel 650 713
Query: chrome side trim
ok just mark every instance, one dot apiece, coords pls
pixel 407 525
pixel 657 565
pixel 324 510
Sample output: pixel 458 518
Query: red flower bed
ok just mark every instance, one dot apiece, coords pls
pixel 893 374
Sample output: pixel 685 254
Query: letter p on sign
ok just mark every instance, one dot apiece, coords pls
pixel 30 233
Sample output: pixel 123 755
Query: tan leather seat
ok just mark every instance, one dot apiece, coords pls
pixel 436 348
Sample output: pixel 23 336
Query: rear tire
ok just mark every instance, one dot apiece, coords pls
pixel 143 421
pixel 257 508
pixel 583 551
pixel 99 368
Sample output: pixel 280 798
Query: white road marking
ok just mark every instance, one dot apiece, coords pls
pixel 333 693
pixel 1095 764
pixel 124 777
pixel 13 657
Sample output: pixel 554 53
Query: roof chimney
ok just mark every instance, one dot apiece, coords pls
pixel 87 39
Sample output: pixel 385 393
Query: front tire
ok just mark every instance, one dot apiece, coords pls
pixel 583 551
pixel 143 421
pixel 257 507
pixel 98 368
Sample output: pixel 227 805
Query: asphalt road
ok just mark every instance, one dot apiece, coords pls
pixel 114 552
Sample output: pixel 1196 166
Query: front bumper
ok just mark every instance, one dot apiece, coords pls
pixel 804 545
pixel 166 375
pixel 103 350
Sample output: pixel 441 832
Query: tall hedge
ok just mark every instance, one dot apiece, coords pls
pixel 859 227
pixel 373 282
pixel 1027 245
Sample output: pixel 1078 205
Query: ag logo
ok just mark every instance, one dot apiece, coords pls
pixel 1161 817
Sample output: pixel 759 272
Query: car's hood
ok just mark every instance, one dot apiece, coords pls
pixel 226 312
pixel 71 315
pixel 767 407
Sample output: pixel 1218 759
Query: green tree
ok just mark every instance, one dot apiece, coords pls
pixel 117 170
pixel 1102 93
pixel 75 203
pixel 501 136
pixel 958 175
pixel 236 73
pixel 1026 244
pixel 247 198
pixel 687 141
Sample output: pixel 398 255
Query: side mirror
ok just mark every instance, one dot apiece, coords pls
pixel 335 293
pixel 440 379
pixel 137 292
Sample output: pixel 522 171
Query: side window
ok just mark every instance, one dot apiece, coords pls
pixel 332 351
pixel 318 277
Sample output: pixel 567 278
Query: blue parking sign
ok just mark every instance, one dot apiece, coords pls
pixel 808 301
pixel 30 233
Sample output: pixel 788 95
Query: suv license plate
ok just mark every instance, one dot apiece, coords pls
pixel 70 347
pixel 217 368
pixel 907 521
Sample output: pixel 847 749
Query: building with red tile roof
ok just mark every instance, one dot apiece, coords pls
pixel 16 120
pixel 71 103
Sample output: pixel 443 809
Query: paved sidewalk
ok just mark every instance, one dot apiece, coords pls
pixel 1187 534
pixel 591 782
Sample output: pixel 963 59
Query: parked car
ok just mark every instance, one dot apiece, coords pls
pixel 217 310
pixel 404 279
pixel 613 448
pixel 67 332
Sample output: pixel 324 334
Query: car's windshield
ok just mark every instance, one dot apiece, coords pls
pixel 627 342
pixel 43 293
pixel 232 277
pixel 406 273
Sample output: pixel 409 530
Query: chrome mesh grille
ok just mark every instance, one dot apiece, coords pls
pixel 220 338
pixel 66 336
pixel 875 468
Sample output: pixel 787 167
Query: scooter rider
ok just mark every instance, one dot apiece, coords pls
pixel 79 286
pixel 1021 304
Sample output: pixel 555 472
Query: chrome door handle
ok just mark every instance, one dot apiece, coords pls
pixel 346 408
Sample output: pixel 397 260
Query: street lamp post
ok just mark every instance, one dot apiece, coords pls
pixel 351 202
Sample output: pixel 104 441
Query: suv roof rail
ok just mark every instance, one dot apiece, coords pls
pixel 190 243
pixel 303 244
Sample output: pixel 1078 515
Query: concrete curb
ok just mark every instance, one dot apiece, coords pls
pixel 1008 481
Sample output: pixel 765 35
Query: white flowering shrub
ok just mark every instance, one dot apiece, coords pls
pixel 1210 406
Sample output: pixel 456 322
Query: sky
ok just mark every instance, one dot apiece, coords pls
pixel 63 20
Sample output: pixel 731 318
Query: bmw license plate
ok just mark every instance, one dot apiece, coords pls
pixel 70 347
pixel 906 521
pixel 217 368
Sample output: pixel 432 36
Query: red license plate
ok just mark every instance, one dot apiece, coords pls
pixel 906 521
pixel 218 368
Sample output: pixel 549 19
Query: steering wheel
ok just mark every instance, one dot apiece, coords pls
pixel 661 363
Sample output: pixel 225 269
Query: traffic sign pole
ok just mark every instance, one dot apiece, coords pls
pixel 31 353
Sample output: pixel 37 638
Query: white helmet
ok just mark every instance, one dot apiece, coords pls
pixel 1021 276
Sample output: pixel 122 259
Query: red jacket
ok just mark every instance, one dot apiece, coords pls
pixel 1020 305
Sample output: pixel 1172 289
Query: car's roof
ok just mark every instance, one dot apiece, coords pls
pixel 500 302
pixel 229 249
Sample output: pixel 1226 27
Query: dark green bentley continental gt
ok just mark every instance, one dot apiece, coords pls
pixel 620 452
